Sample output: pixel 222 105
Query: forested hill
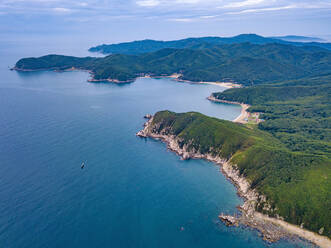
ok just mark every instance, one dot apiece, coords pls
pixel 244 63
pixel 289 158
pixel 144 46
pixel 296 184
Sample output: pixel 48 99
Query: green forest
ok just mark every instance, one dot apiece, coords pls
pixel 246 63
pixel 297 113
pixel 297 184
pixel 287 156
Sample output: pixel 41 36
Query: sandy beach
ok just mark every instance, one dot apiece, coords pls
pixel 223 84
pixel 176 76
pixel 242 118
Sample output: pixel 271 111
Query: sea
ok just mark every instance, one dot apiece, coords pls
pixel 132 192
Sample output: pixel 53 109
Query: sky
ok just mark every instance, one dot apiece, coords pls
pixel 107 21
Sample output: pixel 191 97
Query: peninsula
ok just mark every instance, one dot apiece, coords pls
pixel 193 135
pixel 284 158
pixel 244 63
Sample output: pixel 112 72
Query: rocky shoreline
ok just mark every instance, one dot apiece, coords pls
pixel 272 229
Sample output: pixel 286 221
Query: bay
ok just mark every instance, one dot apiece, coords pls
pixel 132 192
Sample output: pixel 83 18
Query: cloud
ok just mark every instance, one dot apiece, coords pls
pixel 174 10
pixel 284 7
pixel 83 4
pixel 181 19
pixel 262 10
pixel 187 1
pixel 243 4
pixel 45 1
pixel 193 18
pixel 173 3
pixel 208 17
pixel 269 9
pixel 62 10
pixel 148 3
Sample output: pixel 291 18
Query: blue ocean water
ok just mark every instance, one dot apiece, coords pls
pixel 132 192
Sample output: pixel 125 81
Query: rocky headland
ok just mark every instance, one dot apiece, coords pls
pixel 272 229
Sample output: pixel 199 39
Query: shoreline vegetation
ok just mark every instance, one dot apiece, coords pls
pixel 174 76
pixel 272 229
pixel 246 63
pixel 285 89
pixel 177 77
pixel 244 114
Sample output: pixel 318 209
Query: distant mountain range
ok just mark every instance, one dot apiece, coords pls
pixel 296 38
pixel 144 46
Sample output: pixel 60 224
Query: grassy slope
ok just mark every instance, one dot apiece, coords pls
pixel 297 185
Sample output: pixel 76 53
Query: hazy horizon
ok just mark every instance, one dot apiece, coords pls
pixel 110 21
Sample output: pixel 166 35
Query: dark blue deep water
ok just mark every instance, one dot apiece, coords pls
pixel 132 192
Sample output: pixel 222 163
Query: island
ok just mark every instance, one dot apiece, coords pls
pixel 280 163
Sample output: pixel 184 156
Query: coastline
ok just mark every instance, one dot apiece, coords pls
pixel 229 85
pixel 109 80
pixel 272 229
pixel 92 79
pixel 243 117
pixel 174 76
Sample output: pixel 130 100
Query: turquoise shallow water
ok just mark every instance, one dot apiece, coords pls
pixel 132 192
